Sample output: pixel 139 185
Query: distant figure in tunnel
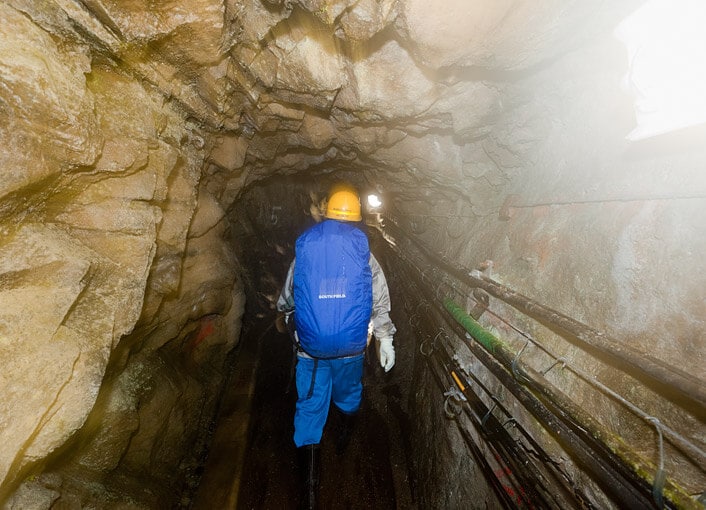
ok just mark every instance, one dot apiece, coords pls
pixel 337 296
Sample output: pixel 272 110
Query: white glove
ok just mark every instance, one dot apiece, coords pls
pixel 386 353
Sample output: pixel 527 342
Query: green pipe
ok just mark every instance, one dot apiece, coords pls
pixel 659 375
pixel 478 332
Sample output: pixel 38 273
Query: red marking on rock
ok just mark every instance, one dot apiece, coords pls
pixel 206 330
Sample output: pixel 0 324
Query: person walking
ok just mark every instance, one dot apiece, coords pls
pixel 336 297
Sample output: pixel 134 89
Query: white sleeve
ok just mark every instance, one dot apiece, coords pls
pixel 285 302
pixel 382 324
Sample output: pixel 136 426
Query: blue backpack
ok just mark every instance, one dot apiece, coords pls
pixel 333 291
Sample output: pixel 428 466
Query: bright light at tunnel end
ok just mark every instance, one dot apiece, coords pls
pixel 667 75
pixel 374 201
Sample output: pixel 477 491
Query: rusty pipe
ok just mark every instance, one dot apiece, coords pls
pixel 678 386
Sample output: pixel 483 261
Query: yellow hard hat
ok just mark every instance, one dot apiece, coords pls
pixel 343 203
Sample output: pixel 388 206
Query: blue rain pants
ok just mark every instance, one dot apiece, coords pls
pixel 318 382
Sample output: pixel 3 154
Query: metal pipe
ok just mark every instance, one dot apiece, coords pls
pixel 492 343
pixel 658 374
pixel 583 426
pixel 480 459
pixel 539 485
pixel 540 482
pixel 576 431
pixel 622 484
pixel 678 386
pixel 511 201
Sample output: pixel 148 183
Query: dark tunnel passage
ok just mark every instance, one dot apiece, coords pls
pixel 375 471
pixel 461 408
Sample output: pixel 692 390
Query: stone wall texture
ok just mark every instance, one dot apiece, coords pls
pixel 495 131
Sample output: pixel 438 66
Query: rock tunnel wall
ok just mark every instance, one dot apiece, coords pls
pixel 130 131
pixel 120 293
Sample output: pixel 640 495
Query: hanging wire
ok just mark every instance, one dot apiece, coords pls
pixel 660 475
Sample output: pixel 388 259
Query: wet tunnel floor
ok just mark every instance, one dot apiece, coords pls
pixel 252 463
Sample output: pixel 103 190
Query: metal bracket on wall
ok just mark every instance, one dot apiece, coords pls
pixel 515 365
pixel 557 361
pixel 426 347
pixel 660 475
pixel 482 300
pixel 453 402
pixel 487 415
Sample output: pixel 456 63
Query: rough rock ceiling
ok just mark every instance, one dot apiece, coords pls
pixel 327 84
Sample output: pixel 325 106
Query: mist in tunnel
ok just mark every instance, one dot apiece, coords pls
pixel 540 172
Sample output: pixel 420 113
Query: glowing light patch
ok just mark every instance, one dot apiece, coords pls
pixel 666 44
pixel 374 201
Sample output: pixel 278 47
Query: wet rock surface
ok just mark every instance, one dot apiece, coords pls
pixel 494 131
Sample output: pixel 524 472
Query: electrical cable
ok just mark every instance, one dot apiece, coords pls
pixel 614 475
